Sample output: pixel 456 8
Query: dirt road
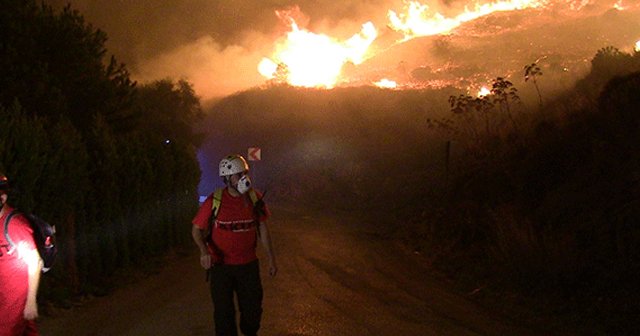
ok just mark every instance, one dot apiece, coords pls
pixel 338 275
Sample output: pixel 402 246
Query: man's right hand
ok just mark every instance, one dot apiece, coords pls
pixel 205 261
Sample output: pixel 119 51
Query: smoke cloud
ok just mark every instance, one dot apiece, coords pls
pixel 214 44
pixel 218 44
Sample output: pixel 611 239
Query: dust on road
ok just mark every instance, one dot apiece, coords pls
pixel 338 275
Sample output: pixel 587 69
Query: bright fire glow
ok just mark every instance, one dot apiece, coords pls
pixel 483 92
pixel 315 60
pixel 420 21
pixel 309 59
pixel 386 84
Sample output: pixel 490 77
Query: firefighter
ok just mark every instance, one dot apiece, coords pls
pixel 237 218
pixel 20 267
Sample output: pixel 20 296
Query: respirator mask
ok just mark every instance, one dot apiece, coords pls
pixel 244 184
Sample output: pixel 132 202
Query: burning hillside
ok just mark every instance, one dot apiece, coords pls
pixel 465 47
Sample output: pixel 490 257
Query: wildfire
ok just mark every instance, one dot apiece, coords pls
pixel 618 5
pixel 386 84
pixel 308 59
pixel 637 47
pixel 483 92
pixel 420 21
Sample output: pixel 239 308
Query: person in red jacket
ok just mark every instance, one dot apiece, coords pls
pixel 20 267
pixel 230 256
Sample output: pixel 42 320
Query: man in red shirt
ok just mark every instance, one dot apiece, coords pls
pixel 20 266
pixel 230 256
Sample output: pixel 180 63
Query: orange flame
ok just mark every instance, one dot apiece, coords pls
pixel 386 84
pixel 315 60
pixel 483 92
pixel 308 59
pixel 419 21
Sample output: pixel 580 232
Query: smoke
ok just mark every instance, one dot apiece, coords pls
pixel 218 44
pixel 213 69
pixel 215 44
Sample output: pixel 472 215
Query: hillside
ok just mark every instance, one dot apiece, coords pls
pixel 541 209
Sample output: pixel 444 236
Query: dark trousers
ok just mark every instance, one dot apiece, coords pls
pixel 244 281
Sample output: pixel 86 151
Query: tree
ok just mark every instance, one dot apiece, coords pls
pixel 504 93
pixel 54 65
pixel 608 62
pixel 532 71
pixel 169 111
pixel 470 110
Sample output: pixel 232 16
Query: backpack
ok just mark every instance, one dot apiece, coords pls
pixel 43 235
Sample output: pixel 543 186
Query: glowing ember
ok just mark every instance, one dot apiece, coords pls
pixel 315 60
pixel 386 84
pixel 419 21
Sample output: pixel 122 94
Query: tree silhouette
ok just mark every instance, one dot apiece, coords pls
pixel 469 108
pixel 503 93
pixel 532 71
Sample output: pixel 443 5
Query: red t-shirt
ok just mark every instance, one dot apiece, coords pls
pixel 14 274
pixel 234 232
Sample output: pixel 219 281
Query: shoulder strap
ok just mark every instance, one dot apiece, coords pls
pixel 253 196
pixel 6 230
pixel 216 201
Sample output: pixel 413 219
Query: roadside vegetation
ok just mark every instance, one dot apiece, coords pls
pixel 110 163
pixel 546 209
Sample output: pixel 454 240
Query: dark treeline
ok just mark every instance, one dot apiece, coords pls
pixel 110 163
pixel 512 195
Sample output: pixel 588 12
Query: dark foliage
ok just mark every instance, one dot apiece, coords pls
pixel 86 149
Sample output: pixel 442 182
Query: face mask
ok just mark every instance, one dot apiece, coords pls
pixel 244 184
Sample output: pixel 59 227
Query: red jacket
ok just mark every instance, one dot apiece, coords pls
pixel 14 274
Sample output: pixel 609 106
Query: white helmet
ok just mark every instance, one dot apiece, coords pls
pixel 233 164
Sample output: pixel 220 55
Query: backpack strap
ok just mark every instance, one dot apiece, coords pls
pixel 6 231
pixel 253 196
pixel 216 201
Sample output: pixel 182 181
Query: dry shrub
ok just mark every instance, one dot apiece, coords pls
pixel 532 257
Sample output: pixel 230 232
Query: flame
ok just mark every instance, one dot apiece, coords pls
pixel 308 59
pixel 637 46
pixel 420 21
pixel 386 84
pixel 483 92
